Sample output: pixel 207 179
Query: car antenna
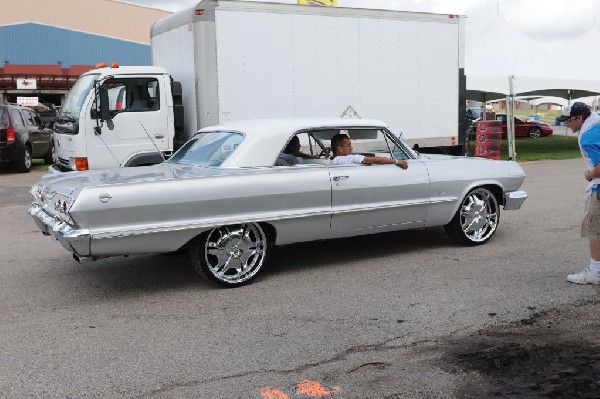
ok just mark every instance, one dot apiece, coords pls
pixel 152 141
pixel 109 150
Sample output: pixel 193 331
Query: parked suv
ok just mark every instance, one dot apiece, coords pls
pixel 23 137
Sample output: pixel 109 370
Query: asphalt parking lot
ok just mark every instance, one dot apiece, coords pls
pixel 400 315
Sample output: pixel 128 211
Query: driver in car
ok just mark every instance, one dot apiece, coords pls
pixel 292 152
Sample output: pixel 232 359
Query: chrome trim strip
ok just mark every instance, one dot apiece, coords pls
pixel 201 225
pixel 71 234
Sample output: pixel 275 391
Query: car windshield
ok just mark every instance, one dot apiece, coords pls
pixel 71 108
pixel 208 148
pixel 475 112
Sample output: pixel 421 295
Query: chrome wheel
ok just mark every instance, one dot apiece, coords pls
pixel 535 132
pixel 230 255
pixel 476 219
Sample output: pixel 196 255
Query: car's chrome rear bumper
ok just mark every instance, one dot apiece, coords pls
pixel 514 200
pixel 74 240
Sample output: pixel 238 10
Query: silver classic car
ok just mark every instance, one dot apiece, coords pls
pixel 229 195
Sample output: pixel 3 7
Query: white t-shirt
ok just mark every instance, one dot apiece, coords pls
pixel 347 159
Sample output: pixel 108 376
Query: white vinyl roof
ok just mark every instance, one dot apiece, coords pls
pixel 265 138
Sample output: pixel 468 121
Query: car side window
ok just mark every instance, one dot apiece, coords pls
pixel 376 142
pixel 133 95
pixel 143 95
pixel 308 144
pixel 27 118
pixel 117 100
pixel 36 119
pixel 17 118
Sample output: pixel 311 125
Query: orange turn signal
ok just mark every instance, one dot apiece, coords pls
pixel 81 164
pixel 199 12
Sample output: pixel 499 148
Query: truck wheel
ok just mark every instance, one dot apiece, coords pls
pixel 51 158
pixel 476 219
pixel 230 255
pixel 23 162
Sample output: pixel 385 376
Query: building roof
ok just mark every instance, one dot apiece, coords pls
pixel 109 18
pixel 34 43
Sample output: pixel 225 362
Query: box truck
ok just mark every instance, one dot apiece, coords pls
pixel 221 61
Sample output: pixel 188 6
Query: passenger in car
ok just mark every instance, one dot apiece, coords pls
pixel 341 146
pixel 292 154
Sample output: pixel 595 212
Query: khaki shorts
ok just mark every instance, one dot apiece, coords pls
pixel 590 226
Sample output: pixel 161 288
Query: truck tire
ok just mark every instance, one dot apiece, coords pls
pixel 51 158
pixel 23 162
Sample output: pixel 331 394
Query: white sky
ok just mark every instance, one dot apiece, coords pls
pixel 549 22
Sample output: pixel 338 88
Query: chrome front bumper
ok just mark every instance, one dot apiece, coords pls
pixel 73 240
pixel 514 200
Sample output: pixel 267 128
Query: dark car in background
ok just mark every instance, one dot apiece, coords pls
pixel 23 137
pixel 533 129
pixel 474 113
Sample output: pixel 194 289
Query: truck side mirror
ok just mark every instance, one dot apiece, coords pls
pixel 104 104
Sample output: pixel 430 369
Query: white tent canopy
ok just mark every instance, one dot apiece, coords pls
pixel 486 88
pixel 503 51
pixel 583 56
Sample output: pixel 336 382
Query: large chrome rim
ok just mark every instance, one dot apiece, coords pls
pixel 235 253
pixel 479 215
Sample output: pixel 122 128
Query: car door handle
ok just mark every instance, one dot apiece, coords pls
pixel 159 136
pixel 338 178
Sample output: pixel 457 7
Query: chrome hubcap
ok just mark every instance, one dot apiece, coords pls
pixel 235 253
pixel 479 215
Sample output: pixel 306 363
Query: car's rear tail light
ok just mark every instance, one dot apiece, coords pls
pixel 10 135
pixel 81 164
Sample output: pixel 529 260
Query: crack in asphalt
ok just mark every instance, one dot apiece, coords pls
pixel 341 356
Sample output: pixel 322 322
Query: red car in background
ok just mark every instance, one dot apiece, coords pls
pixel 533 129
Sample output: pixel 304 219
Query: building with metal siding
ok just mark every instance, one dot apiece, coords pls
pixel 55 41
pixel 32 43
pixel 102 17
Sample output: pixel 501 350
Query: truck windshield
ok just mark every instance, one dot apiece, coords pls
pixel 208 149
pixel 71 108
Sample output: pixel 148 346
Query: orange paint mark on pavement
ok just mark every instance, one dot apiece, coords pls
pixel 272 393
pixel 315 390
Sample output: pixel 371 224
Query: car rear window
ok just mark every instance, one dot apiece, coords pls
pixel 16 117
pixel 208 148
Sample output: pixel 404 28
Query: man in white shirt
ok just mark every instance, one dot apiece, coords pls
pixel 341 145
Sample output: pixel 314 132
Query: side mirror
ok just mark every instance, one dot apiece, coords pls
pixel 104 104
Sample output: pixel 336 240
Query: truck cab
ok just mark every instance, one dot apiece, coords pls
pixel 139 129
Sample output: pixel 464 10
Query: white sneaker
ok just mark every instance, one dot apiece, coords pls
pixel 585 276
